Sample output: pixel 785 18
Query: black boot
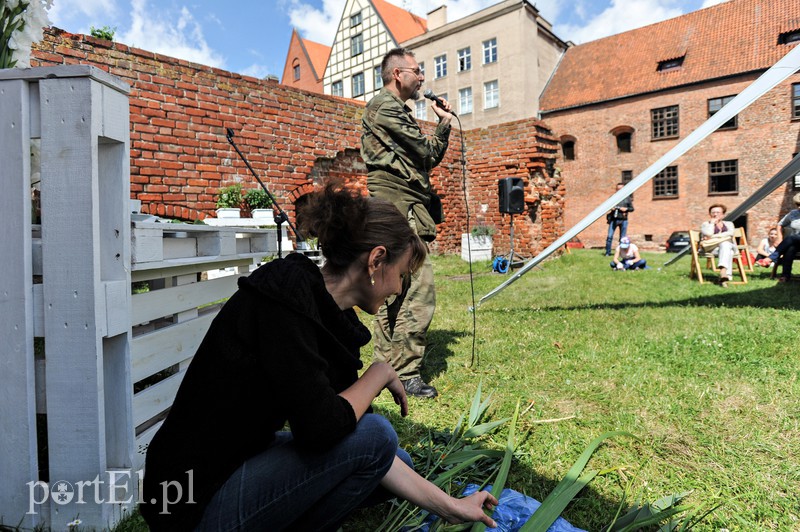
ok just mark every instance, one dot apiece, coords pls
pixel 418 388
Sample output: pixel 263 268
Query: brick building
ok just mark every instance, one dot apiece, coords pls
pixel 295 140
pixel 619 103
pixel 305 64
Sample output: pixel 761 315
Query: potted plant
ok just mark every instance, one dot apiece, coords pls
pixel 229 202
pixel 259 202
pixel 480 243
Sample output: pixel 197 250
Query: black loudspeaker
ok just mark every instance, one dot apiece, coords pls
pixel 511 193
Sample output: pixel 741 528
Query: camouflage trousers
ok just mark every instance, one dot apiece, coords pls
pixel 401 328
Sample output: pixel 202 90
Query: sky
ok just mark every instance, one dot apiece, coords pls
pixel 251 37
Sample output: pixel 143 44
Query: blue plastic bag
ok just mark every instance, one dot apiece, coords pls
pixel 513 511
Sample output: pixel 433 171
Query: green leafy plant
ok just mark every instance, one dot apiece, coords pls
pixel 106 32
pixel 257 198
pixel 482 230
pixel 230 197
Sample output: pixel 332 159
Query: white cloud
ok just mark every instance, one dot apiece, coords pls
pixel 66 14
pixel 176 34
pixel 621 15
pixel 709 3
pixel 255 70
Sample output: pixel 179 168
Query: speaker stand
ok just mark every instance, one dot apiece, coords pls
pixel 511 253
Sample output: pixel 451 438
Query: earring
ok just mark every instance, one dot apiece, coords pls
pixel 372 279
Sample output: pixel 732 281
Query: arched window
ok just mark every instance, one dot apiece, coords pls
pixel 624 138
pixel 296 69
pixel 568 147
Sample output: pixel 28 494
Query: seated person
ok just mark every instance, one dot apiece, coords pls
pixel 767 245
pixel 627 257
pixel 785 252
pixel 284 352
pixel 720 230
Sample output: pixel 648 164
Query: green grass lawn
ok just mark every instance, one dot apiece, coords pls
pixel 707 377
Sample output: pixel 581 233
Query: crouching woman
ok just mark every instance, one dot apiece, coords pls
pixel 284 350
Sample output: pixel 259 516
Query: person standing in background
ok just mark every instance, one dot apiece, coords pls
pixel 618 217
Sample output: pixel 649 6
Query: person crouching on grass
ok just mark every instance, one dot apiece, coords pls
pixel 627 257
pixel 285 349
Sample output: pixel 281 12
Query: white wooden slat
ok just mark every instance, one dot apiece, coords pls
pixel 153 400
pixel 38 310
pixel 148 306
pixel 165 269
pixel 18 462
pixel 162 348
pixel 142 441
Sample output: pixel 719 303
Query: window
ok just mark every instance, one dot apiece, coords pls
pixel 796 100
pixel 491 94
pixel 356 45
pixel 670 64
pixel 358 84
pixel 465 101
pixel 464 60
pixel 624 142
pixel 337 88
pixel 665 122
pixel 296 72
pixel 378 77
pixel 421 109
pixel 422 69
pixel 440 66
pixel 627 176
pixel 723 177
pixel 355 20
pixel 490 51
pixel 796 180
pixel 789 37
pixel 568 148
pixel 665 183
pixel 715 104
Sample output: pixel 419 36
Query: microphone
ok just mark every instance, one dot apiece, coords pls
pixel 431 96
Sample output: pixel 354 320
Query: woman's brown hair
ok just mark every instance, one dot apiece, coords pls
pixel 348 225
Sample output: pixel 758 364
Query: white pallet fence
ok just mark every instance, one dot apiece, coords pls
pixel 67 282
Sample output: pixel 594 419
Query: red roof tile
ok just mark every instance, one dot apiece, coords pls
pixel 401 24
pixel 727 39
pixel 318 54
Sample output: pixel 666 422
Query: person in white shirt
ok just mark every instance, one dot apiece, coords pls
pixel 627 257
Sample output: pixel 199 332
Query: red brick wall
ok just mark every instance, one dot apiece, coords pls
pixel 763 143
pixel 293 139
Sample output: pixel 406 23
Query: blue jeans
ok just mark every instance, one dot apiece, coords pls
pixel 629 265
pixel 289 487
pixel 623 230
pixel 787 249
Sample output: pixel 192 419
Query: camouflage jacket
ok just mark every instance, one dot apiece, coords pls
pixel 399 157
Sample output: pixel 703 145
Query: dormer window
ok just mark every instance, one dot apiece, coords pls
pixel 670 64
pixel 788 37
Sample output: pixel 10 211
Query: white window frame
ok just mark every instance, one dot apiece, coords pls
pixel 337 85
pixel 464 59
pixel 353 84
pixel 440 66
pixel 491 95
pixel 355 19
pixel 356 45
pixel 378 77
pixel 465 100
pixel 490 51
pixel 421 109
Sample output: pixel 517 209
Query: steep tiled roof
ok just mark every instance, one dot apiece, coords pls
pixel 730 38
pixel 317 54
pixel 402 24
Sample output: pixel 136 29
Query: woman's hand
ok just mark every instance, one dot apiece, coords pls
pixel 471 509
pixel 398 391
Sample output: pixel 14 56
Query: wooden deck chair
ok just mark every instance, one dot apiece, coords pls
pixel 696 271
pixel 741 244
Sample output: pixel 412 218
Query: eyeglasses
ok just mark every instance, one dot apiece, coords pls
pixel 417 71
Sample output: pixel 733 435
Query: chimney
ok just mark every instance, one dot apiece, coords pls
pixel 437 18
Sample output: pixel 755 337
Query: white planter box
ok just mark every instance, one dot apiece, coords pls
pixel 479 246
pixel 229 212
pixel 263 214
